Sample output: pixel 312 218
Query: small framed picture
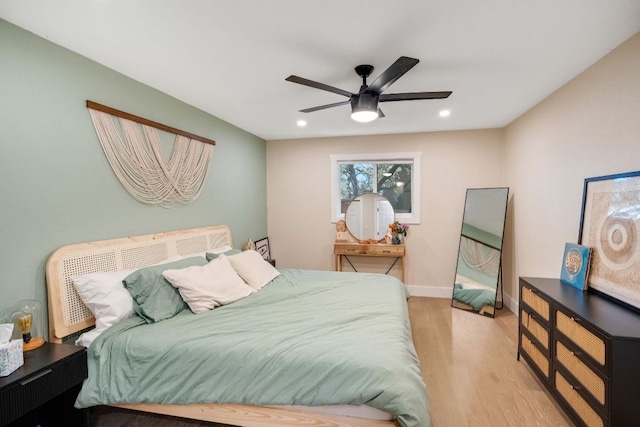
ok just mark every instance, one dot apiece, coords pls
pixel 262 246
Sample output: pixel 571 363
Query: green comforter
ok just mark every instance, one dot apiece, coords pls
pixel 307 338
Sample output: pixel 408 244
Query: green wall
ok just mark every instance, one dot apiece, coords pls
pixel 56 185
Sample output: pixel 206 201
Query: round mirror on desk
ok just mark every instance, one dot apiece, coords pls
pixel 368 216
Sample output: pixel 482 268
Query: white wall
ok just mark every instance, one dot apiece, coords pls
pixel 298 200
pixel 589 127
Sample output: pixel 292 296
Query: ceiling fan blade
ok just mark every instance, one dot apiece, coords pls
pixel 391 74
pixel 321 86
pixel 322 107
pixel 413 95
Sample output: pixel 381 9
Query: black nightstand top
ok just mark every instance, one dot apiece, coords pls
pixel 35 360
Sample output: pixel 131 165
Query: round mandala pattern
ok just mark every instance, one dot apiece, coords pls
pixel 617 242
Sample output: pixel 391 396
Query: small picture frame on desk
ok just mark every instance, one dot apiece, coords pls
pixel 262 246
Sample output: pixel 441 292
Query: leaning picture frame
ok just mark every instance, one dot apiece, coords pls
pixel 262 246
pixel 610 225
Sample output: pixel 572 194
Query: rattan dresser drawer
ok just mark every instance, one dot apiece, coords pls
pixel 592 344
pixel 537 303
pixel 589 380
pixel 535 328
pixel 529 349
pixel 589 416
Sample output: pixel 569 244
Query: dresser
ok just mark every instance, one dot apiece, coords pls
pixel 584 348
pixel 343 250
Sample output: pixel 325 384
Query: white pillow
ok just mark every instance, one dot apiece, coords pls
pixel 208 286
pixel 105 296
pixel 253 268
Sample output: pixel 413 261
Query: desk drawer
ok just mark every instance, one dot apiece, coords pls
pixel 386 250
pixel 370 250
pixel 43 385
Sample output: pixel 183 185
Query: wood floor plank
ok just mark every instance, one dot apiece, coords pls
pixel 469 366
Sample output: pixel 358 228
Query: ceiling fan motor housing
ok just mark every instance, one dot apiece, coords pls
pixel 364 102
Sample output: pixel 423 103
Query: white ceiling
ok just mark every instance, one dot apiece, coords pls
pixel 230 58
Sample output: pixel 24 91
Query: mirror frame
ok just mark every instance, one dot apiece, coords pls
pixel 346 216
pixel 499 285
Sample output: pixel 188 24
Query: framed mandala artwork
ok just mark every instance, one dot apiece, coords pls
pixel 610 225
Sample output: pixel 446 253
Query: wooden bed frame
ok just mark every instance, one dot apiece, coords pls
pixel 68 316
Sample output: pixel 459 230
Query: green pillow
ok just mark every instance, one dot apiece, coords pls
pixel 154 298
pixel 211 256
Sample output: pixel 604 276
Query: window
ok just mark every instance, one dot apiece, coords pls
pixel 393 175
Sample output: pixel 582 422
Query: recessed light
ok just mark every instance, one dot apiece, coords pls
pixel 301 123
pixel 444 113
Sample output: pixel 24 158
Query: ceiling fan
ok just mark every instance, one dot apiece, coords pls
pixel 364 104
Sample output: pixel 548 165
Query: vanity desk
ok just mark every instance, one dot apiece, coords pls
pixel 343 250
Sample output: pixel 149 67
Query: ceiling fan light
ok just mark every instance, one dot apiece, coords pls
pixel 364 116
pixel 364 108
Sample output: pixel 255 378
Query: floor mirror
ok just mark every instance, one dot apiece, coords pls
pixel 479 267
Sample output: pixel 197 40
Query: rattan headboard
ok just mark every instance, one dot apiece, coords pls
pixel 67 313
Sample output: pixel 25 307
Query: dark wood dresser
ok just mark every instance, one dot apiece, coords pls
pixel 584 348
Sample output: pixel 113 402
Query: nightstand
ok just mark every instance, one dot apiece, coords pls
pixel 44 389
pixel 271 261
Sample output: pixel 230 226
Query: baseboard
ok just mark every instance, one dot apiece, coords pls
pixel 430 291
pixel 511 304
pixel 446 292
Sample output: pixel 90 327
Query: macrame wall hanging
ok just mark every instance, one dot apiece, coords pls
pixel 141 164
pixel 480 257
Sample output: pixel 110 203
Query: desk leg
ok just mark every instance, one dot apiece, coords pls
pixel 402 264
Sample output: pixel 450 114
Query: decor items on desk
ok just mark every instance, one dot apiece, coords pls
pixel 575 265
pixel 399 232
pixel 28 318
pixel 342 235
pixel 610 224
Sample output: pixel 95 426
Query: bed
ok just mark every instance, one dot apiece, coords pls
pixel 344 339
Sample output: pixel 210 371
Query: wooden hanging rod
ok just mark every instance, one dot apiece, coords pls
pixel 118 113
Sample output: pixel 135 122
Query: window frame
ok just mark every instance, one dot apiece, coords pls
pixel 413 157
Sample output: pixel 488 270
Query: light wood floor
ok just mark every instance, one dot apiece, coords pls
pixel 469 366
